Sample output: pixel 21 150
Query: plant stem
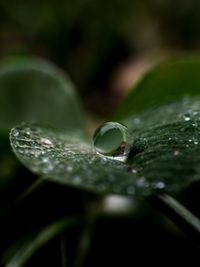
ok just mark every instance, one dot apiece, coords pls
pixel 91 215
pixel 179 214
pixel 63 251
pixel 35 185
pixel 22 253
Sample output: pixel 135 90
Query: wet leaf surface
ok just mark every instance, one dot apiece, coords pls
pixel 165 153
pixel 69 160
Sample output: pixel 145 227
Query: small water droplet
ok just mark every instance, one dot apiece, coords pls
pixel 28 131
pixel 176 153
pixel 131 169
pixel 35 153
pixel 15 133
pixel 112 139
pixel 69 168
pixel 45 160
pixel 48 168
pixel 158 185
pixel 186 117
pixel 46 142
pixel 196 142
pixel 194 124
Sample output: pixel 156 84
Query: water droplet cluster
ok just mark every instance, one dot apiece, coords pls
pixel 65 159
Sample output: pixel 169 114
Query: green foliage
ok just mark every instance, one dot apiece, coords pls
pixel 35 90
pixel 63 158
pixel 162 157
pixel 31 90
pixel 163 83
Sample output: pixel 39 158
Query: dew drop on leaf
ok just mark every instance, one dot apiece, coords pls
pixel 69 168
pixel 186 117
pixel 112 139
pixel 158 185
pixel 46 142
pixel 15 133
pixel 176 152
pixel 132 169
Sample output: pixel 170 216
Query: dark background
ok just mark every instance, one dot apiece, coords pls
pixel 103 45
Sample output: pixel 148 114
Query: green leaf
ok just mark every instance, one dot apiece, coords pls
pixel 69 159
pixel 165 153
pixel 21 252
pixel 167 81
pixel 36 90
pixel 170 139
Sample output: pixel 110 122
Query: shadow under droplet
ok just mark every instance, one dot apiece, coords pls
pixel 133 152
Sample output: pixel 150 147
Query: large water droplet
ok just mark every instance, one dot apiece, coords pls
pixel 112 139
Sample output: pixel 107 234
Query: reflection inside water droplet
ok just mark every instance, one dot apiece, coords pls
pixel 112 139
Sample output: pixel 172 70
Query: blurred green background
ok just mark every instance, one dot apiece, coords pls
pixel 103 45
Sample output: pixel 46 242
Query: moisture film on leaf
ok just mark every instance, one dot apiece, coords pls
pixel 164 155
pixel 69 160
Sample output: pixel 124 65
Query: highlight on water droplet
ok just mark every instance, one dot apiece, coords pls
pixel 158 185
pixel 112 139
pixel 187 117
